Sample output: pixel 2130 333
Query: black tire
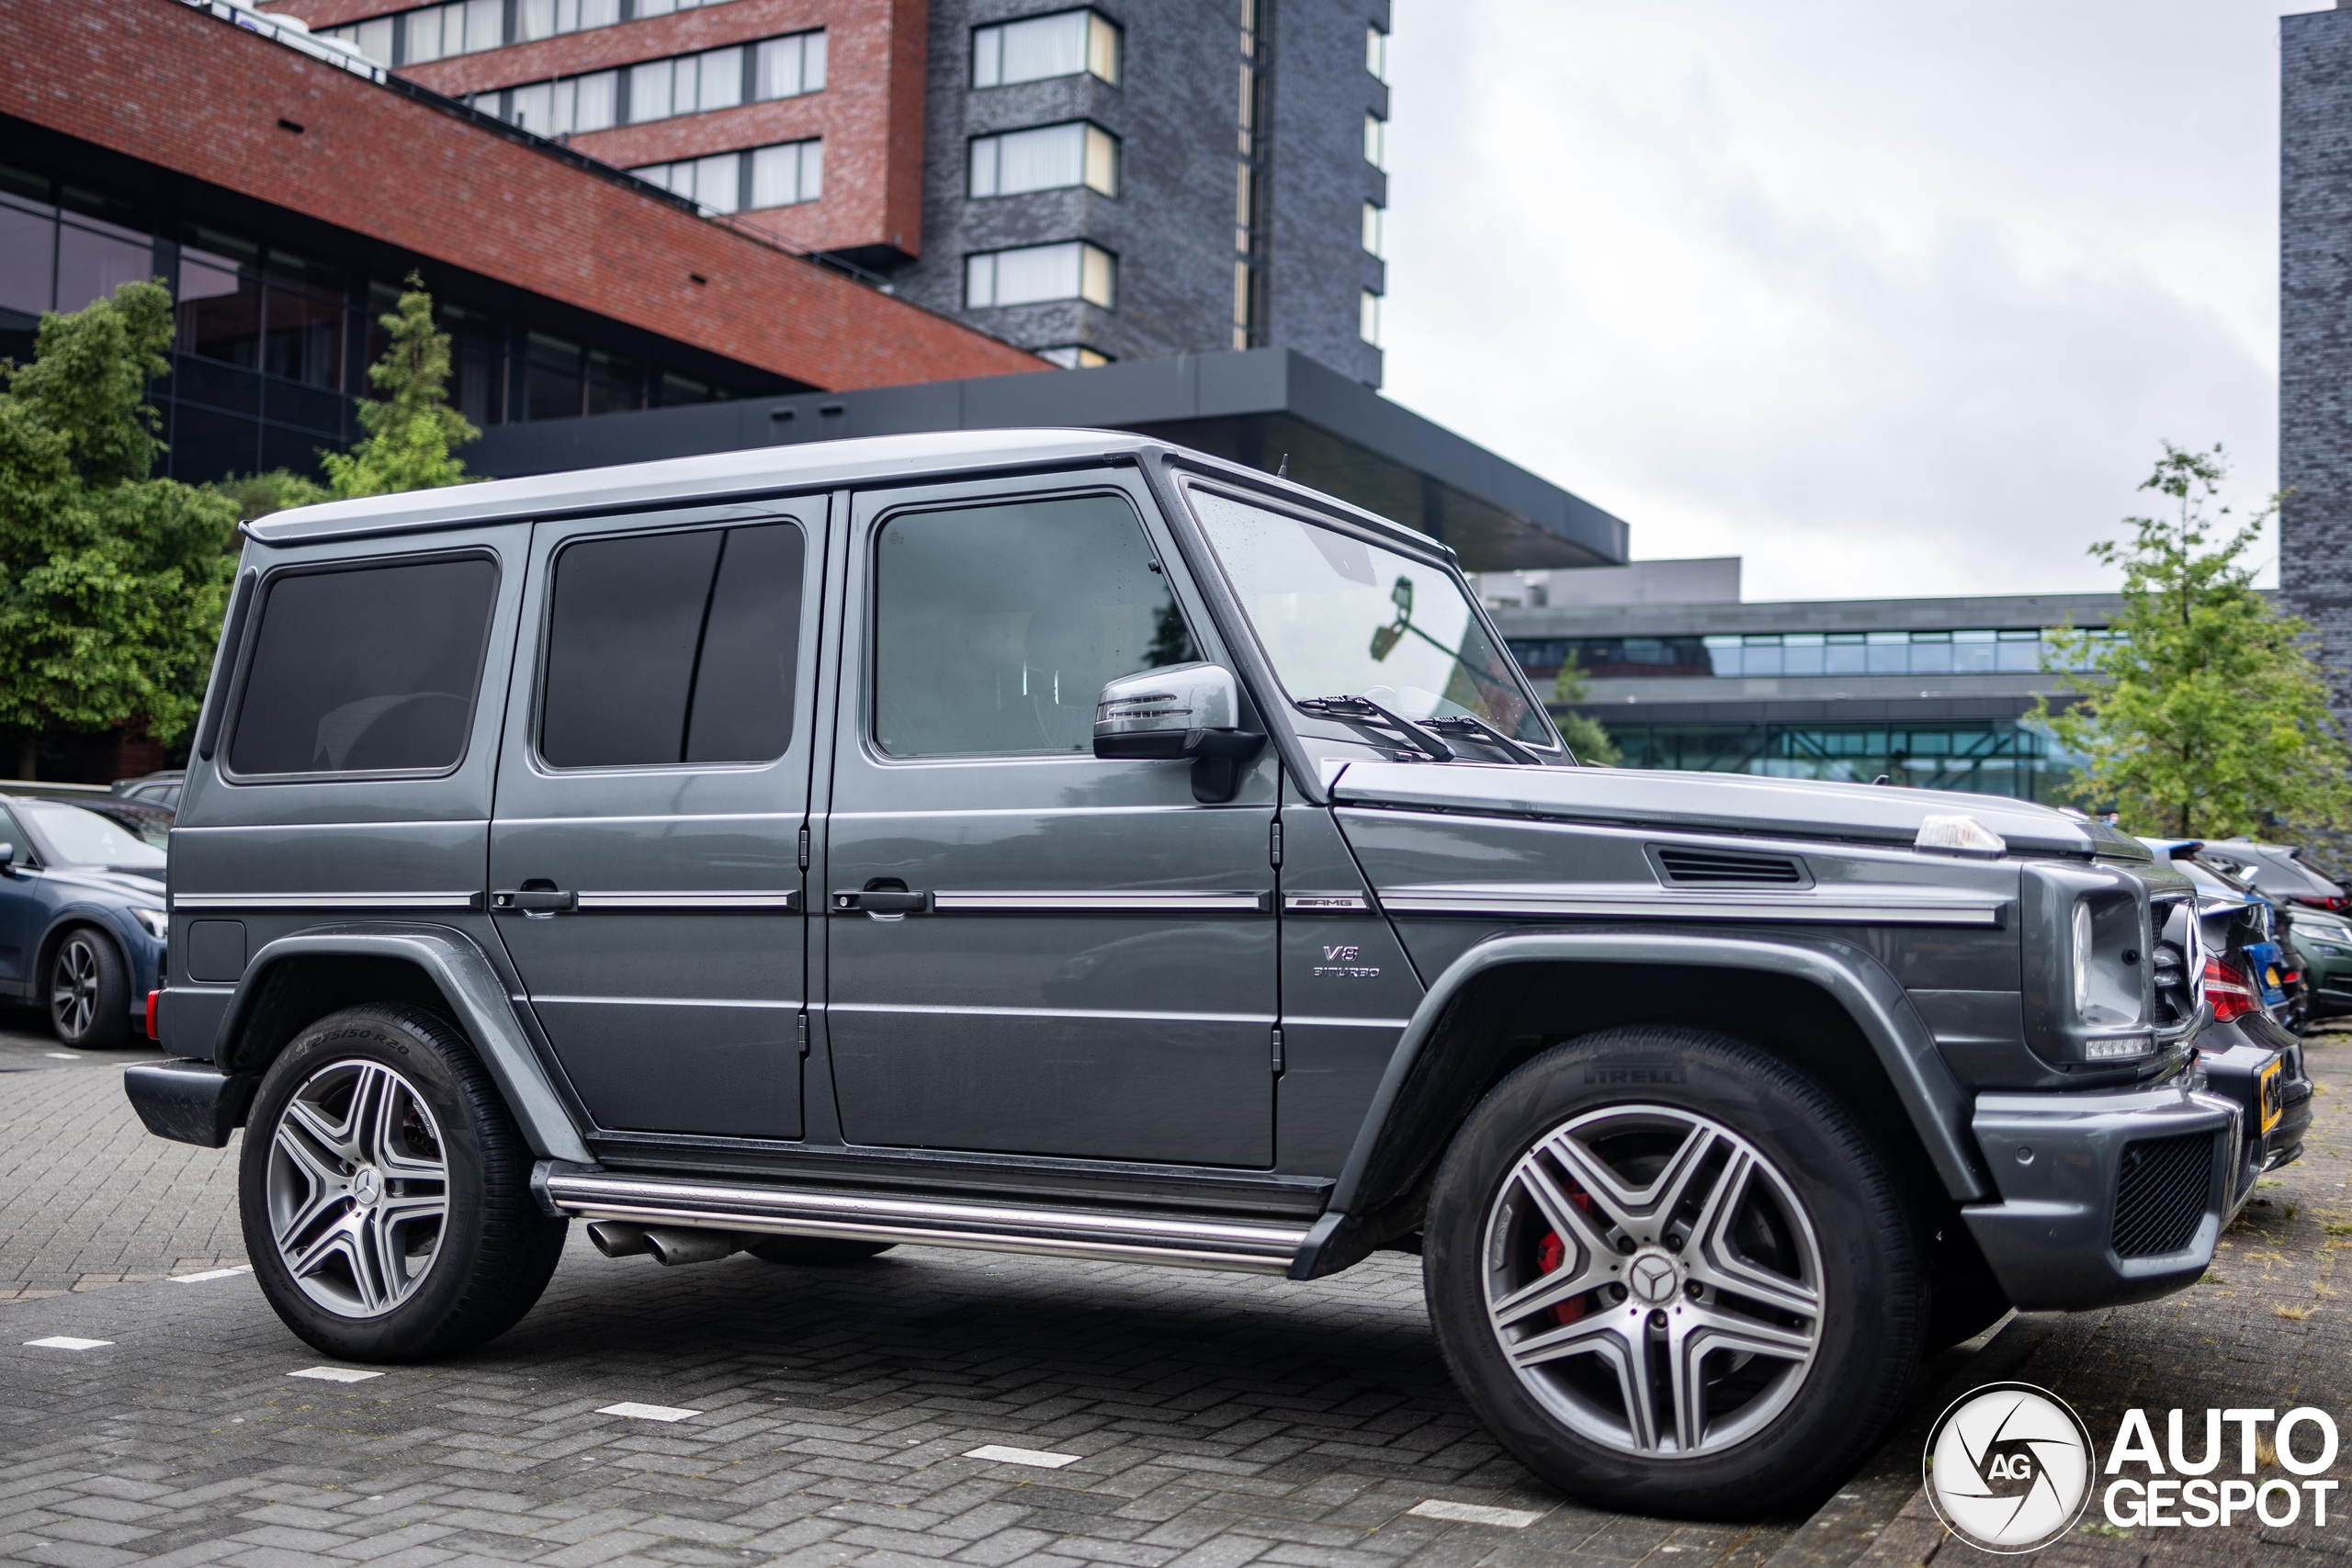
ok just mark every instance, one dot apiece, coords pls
pixel 815 1251
pixel 488 1255
pixel 89 991
pixel 1808 1213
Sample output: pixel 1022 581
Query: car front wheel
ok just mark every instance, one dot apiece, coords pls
pixel 1672 1275
pixel 385 1192
pixel 89 992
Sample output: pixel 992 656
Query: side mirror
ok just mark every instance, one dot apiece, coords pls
pixel 1183 711
pixel 7 860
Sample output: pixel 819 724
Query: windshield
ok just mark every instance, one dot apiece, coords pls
pixel 1341 617
pixel 71 836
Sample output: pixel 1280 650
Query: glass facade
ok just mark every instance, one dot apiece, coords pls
pixel 276 330
pixel 1976 651
pixel 1989 757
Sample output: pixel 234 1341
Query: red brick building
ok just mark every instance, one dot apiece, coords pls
pixel 283 187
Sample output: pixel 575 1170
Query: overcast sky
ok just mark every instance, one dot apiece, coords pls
pixel 1889 298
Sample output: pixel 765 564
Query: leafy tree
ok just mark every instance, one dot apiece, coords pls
pixel 411 430
pixel 2200 712
pixel 1583 732
pixel 258 495
pixel 111 583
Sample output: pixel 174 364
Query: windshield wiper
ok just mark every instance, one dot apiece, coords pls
pixel 1466 724
pixel 1360 708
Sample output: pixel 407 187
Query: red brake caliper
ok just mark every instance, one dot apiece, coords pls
pixel 1552 1253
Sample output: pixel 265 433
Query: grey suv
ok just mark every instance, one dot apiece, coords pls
pixel 1059 842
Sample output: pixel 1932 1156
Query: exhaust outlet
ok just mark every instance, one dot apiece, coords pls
pixel 672 1248
pixel 617 1240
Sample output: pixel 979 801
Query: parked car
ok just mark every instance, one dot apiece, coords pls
pixel 1063 843
pixel 2278 871
pixel 2249 1049
pixel 160 788
pixel 2319 932
pixel 144 817
pixel 81 921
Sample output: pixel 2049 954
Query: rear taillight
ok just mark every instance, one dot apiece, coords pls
pixel 2228 991
pixel 151 1015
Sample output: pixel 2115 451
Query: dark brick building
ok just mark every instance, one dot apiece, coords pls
pixel 2315 333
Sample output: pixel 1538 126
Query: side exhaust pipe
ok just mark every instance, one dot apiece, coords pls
pixel 615 1239
pixel 672 1248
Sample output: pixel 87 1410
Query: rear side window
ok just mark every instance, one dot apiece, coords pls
pixel 672 647
pixel 365 669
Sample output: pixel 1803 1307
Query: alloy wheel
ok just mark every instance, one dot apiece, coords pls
pixel 1654 1282
pixel 74 988
pixel 358 1187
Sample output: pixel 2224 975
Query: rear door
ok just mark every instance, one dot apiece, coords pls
pixel 645 857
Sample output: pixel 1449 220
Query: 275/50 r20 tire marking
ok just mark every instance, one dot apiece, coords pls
pixel 358 1187
pixel 1653 1280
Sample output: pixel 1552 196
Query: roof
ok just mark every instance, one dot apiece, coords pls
pixel 723 476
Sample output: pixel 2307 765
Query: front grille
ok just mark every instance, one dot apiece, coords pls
pixel 1727 868
pixel 2160 1193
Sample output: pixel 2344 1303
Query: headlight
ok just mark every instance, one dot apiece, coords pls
pixel 158 923
pixel 2082 958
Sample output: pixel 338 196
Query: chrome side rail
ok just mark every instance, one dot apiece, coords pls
pixel 1107 1235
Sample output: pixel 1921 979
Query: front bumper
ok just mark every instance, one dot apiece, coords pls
pixel 2107 1196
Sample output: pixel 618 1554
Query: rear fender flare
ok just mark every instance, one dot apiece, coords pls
pixel 470 989
pixel 1409 1109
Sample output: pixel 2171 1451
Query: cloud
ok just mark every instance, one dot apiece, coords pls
pixel 1887 305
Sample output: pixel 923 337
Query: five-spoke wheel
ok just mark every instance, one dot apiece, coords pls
pixel 358 1187
pixel 1654 1280
pixel 89 991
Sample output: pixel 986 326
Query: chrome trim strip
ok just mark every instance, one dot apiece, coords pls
pixel 1325 903
pixel 778 899
pixel 1077 902
pixel 961 1010
pixel 1255 1248
pixel 1666 904
pixel 325 900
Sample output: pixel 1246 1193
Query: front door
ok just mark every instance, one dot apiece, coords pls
pixel 645 857
pixel 1031 950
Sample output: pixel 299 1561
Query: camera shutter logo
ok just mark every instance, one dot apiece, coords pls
pixel 2009 1467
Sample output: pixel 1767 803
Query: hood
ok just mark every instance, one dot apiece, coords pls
pixel 1722 803
pixel 130 887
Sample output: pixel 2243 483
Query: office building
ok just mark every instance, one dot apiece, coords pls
pixel 2315 334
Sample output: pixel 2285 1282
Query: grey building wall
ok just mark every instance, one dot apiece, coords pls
pixel 2315 333
pixel 1177 113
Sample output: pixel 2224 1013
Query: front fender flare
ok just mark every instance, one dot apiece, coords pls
pixel 476 999
pixel 1401 1118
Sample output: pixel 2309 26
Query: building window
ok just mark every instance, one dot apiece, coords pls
pixel 1375 142
pixel 662 89
pixel 1368 318
pixel 1375 52
pixel 782 176
pixel 1034 275
pixel 1051 157
pixel 469 26
pixel 1036 48
pixel 1374 217
pixel 1074 357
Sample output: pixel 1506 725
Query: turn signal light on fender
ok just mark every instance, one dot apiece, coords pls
pixel 2228 991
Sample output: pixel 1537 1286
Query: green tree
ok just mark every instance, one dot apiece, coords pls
pixel 111 583
pixel 2200 713
pixel 258 495
pixel 1583 732
pixel 411 429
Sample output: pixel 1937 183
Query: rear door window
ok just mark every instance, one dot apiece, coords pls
pixel 674 648
pixel 369 669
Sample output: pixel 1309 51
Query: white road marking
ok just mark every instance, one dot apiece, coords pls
pixel 335 1374
pixel 211 1274
pixel 1475 1514
pixel 66 1342
pixel 63 1055
pixel 636 1411
pixel 1036 1457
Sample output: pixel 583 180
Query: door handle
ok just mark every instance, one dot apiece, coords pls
pixel 532 901
pixel 880 901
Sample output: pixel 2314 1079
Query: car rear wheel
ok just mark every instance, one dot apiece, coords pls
pixel 1672 1275
pixel 89 991
pixel 386 1192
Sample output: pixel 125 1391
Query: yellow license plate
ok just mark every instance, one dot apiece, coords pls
pixel 2271 1090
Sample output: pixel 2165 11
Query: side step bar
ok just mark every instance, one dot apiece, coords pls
pixel 1119 1237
